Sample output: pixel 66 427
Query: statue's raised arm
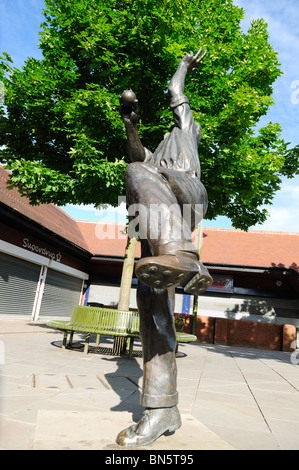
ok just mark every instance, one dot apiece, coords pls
pixel 187 64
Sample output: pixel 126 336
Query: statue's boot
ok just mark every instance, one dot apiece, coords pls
pixel 154 423
pixel 181 269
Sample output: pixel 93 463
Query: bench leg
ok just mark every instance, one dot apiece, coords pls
pixel 71 340
pixel 123 346
pixel 131 343
pixel 98 339
pixel 86 343
pixel 119 345
pixel 64 340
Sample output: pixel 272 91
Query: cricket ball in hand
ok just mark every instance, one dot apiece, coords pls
pixel 128 98
pixel 128 102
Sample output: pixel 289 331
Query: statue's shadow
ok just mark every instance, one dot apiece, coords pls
pixel 126 381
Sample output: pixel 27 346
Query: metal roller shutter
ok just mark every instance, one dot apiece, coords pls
pixel 18 284
pixel 61 293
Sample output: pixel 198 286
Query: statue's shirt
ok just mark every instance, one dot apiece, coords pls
pixel 178 150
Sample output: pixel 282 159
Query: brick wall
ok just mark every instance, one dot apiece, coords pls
pixel 244 333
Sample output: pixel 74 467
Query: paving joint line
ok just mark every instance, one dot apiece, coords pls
pixel 253 396
pixel 297 390
pixel 69 382
pixel 199 379
pixel 103 383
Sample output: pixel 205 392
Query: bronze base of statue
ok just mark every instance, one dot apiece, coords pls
pixel 154 423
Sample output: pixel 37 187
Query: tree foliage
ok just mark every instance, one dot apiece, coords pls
pixel 61 133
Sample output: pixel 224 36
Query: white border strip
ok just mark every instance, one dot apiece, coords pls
pixel 19 252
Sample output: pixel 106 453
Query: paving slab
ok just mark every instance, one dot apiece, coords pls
pixel 98 430
pixel 229 397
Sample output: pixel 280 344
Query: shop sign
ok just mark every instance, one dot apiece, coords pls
pixel 41 250
pixel 222 283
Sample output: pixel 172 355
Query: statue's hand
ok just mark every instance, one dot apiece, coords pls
pixel 191 61
pixel 133 117
pixel 128 116
pixel 128 107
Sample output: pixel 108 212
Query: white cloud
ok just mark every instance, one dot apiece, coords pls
pixel 80 207
pixel 284 212
pixel 106 213
pixel 281 220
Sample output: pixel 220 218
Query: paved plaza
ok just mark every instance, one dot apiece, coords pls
pixel 230 398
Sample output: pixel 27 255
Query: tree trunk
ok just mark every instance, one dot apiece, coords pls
pixel 195 302
pixel 127 274
pixel 120 343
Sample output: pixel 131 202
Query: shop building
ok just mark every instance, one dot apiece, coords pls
pixel 50 262
pixel 44 260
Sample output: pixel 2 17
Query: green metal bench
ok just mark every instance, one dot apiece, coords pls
pixel 97 320
pixel 180 336
pixel 111 322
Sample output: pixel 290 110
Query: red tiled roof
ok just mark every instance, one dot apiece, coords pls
pixel 106 239
pixel 109 239
pixel 220 246
pixel 252 248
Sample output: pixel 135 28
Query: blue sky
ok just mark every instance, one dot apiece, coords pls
pixel 20 24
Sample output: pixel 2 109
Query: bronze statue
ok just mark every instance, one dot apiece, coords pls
pixel 162 187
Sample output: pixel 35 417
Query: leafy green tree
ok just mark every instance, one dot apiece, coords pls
pixel 61 133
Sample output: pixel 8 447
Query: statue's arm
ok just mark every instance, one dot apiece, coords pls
pixel 187 64
pixel 137 152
